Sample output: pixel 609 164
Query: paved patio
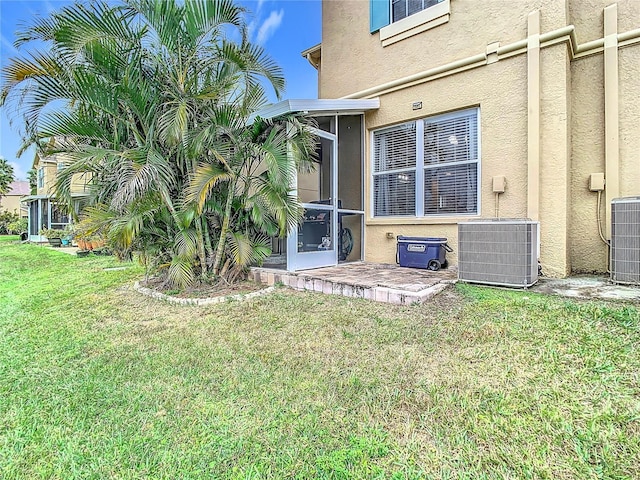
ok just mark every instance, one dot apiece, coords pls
pixel 69 250
pixel 403 286
pixel 374 281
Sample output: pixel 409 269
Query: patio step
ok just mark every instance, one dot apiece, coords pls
pixel 316 281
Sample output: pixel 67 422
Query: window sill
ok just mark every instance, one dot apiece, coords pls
pixel 417 23
pixel 420 220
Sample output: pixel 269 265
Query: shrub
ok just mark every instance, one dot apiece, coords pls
pixel 7 218
pixel 17 227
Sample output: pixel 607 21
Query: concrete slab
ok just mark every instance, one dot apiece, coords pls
pixel 589 287
pixel 67 250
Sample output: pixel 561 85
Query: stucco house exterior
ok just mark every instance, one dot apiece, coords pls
pixel 11 201
pixel 441 111
pixel 43 209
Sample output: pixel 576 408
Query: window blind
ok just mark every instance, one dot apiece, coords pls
pixel 403 8
pixel 450 161
pixel 436 176
pixel 395 148
pixel 395 151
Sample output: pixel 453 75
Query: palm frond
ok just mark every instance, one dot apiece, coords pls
pixel 205 178
pixel 180 272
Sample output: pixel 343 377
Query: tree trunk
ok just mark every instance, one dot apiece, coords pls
pixel 225 227
pixel 208 248
pixel 201 252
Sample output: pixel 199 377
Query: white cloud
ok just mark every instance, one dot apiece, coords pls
pixel 18 172
pixel 260 2
pixel 50 8
pixel 8 45
pixel 251 28
pixel 270 25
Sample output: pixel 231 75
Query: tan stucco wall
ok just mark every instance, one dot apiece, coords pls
pixel 503 132
pixel 50 171
pixel 346 40
pixel 78 180
pixel 629 72
pixel 10 203
pixel 589 253
pixel 587 16
pixel 572 112
pixel 554 160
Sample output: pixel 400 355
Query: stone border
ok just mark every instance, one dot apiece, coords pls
pixel 199 301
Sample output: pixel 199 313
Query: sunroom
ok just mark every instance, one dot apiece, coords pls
pixel 333 195
pixel 46 213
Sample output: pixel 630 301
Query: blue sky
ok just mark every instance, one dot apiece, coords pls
pixel 284 27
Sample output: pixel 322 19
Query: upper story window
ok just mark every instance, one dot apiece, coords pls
pixel 61 166
pixel 403 8
pixel 41 177
pixel 427 167
pixel 400 19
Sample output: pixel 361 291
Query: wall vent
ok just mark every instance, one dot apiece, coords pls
pixel 498 252
pixel 625 240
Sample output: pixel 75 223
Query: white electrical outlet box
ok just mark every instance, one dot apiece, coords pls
pixel 596 182
pixel 499 184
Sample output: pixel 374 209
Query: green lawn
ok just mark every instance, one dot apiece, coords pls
pixel 99 382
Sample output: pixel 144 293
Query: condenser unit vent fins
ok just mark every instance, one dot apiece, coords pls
pixel 498 252
pixel 625 240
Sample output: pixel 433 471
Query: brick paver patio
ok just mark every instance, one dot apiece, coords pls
pixel 374 281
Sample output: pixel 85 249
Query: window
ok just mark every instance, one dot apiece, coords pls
pixel 41 177
pixel 427 167
pixel 61 166
pixel 400 19
pixel 403 8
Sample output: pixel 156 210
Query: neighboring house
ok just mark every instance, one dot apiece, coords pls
pixel 11 201
pixel 451 110
pixel 44 211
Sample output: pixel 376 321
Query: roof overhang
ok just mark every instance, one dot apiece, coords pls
pixel 31 198
pixel 313 55
pixel 317 107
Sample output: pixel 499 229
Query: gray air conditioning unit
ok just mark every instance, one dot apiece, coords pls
pixel 498 252
pixel 625 240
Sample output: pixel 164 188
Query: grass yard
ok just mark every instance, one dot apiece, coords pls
pixel 99 382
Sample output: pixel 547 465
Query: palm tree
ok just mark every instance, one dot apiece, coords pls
pixel 152 97
pixel 6 176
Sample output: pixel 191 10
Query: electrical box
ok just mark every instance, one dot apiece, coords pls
pixel 499 183
pixel 596 182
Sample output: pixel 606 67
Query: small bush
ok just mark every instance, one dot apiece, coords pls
pixel 11 223
pixel 17 227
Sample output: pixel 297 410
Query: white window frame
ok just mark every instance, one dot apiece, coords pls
pixel 406 2
pixel 419 169
pixel 418 22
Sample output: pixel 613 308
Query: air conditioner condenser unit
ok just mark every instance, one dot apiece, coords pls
pixel 625 240
pixel 500 252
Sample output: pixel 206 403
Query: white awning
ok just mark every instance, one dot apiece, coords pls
pixel 31 198
pixel 322 106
